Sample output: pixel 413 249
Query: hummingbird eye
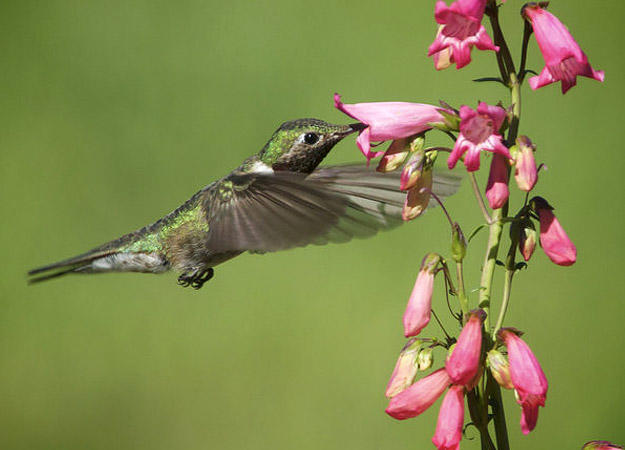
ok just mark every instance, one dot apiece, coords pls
pixel 311 138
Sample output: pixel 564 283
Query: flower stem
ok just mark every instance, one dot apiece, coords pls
pixel 504 303
pixel 527 32
pixel 499 416
pixel 462 296
pixel 480 200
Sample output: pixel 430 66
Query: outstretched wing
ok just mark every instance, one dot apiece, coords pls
pixel 265 212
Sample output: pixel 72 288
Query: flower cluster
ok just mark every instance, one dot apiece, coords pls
pixel 483 358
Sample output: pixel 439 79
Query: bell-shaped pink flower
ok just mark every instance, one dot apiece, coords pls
pixel 388 121
pixel 479 130
pixel 497 191
pixel 564 59
pixel 464 361
pixel 461 29
pixel 525 172
pixel 553 238
pixel 405 369
pixel 450 420
pixel 419 307
pixel 418 397
pixel 527 377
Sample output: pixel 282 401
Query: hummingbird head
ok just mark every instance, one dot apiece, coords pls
pixel 300 145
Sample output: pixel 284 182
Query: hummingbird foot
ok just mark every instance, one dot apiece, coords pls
pixel 196 278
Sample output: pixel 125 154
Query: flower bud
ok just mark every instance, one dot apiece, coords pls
pixel 497 191
pixel 417 314
pixel 405 369
pixel 458 243
pixel 418 197
pixel 527 238
pixel 525 172
pixel 412 171
pixel 395 155
pixel 463 362
pixel 499 368
pixel 553 238
pixel 425 358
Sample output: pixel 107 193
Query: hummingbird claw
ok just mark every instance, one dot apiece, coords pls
pixel 195 278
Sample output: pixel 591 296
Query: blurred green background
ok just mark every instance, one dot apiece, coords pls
pixel 113 113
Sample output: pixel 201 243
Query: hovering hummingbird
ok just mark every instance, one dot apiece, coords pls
pixel 277 199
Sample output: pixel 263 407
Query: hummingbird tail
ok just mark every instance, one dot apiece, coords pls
pixel 98 261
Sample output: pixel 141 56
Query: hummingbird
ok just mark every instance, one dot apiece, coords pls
pixel 275 200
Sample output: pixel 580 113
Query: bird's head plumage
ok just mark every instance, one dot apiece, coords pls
pixel 300 145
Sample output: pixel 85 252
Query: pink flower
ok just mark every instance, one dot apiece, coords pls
pixel 417 314
pixel 461 30
pixel 418 397
pixel 527 377
pixel 388 121
pixel 525 172
pixel 450 420
pixel 553 238
pixel 479 130
pixel 601 445
pixel 497 191
pixel 463 362
pixel 405 369
pixel 564 60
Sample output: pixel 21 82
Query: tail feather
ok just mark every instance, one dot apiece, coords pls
pixel 66 266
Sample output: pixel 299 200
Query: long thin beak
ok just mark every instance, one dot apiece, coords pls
pixel 351 128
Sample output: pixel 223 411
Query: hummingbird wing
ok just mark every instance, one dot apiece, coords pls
pixel 265 212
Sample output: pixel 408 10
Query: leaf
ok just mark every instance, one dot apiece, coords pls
pixel 474 232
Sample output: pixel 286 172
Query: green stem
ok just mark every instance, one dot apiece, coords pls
pixel 462 296
pixel 504 303
pixel 499 416
pixel 478 197
pixel 490 260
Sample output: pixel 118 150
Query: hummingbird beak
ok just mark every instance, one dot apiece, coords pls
pixel 349 129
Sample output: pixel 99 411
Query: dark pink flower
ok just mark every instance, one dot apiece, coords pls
pixel 527 377
pixel 450 420
pixel 388 121
pixel 497 191
pixel 479 130
pixel 418 397
pixel 525 172
pixel 463 362
pixel 405 369
pixel 461 29
pixel 553 238
pixel 417 314
pixel 564 59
